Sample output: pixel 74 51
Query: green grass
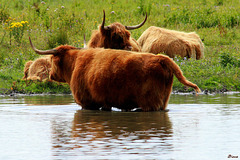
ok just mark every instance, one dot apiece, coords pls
pixel 66 21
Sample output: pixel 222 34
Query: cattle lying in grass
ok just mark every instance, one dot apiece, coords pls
pixel 38 69
pixel 172 43
pixel 114 36
pixel 105 77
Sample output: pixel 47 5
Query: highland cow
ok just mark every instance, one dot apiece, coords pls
pixel 106 78
pixel 172 43
pixel 38 69
pixel 114 36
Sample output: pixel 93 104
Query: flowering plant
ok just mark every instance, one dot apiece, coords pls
pixel 17 30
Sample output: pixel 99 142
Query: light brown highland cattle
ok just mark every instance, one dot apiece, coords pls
pixel 115 78
pixel 172 43
pixel 114 36
pixel 38 69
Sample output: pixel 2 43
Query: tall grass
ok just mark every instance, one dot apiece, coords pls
pixel 55 22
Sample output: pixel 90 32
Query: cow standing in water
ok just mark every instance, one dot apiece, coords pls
pixel 106 78
pixel 114 36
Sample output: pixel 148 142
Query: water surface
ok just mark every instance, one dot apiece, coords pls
pixel 54 127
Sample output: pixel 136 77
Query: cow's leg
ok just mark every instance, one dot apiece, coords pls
pixel 106 108
pixel 167 95
pixel 91 106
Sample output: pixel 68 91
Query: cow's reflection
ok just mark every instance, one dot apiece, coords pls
pixel 98 131
pixel 141 125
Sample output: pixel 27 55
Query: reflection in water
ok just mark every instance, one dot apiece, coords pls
pixel 121 124
pixel 48 100
pixel 118 132
pixel 201 127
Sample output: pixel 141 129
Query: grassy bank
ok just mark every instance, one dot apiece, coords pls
pixel 50 23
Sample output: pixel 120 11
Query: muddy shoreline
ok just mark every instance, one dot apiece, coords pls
pixel 205 92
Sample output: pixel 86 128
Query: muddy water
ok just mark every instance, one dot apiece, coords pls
pixel 53 127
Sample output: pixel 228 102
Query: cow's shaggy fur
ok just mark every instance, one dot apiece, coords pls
pixel 123 79
pixel 172 43
pixel 26 69
pixel 38 69
pixel 115 38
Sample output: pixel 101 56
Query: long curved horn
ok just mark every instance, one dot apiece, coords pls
pixel 103 22
pixel 137 26
pixel 46 52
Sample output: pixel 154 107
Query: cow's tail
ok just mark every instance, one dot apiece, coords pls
pixel 169 63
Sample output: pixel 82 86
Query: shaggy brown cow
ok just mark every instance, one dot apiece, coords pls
pixel 114 36
pixel 156 40
pixel 105 77
pixel 38 69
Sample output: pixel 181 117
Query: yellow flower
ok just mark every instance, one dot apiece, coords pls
pixel 12 25
pixel 23 22
pixel 16 25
